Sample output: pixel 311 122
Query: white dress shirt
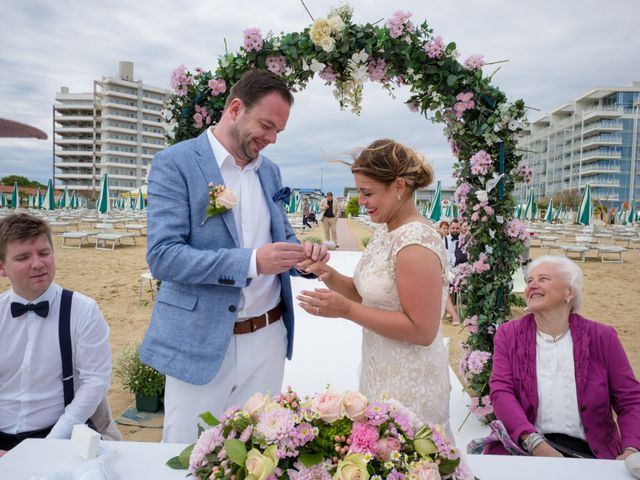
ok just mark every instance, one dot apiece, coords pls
pixel 253 223
pixel 557 395
pixel 31 394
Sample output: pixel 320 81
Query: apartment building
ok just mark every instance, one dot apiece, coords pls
pixel 115 129
pixel 595 140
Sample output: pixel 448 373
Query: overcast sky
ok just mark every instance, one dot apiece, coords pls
pixel 557 50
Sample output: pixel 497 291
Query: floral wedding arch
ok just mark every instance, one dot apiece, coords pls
pixel 479 122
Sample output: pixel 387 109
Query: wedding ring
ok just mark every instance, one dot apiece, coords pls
pixel 317 310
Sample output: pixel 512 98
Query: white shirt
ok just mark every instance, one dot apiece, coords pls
pixel 31 394
pixel 557 395
pixel 450 246
pixel 253 223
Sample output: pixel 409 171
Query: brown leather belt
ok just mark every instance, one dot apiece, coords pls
pixel 256 323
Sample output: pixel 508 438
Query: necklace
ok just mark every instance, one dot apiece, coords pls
pixel 545 337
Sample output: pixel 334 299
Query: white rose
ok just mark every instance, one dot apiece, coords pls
pixel 316 66
pixel 227 199
pixel 336 23
pixel 482 196
pixel 355 405
pixel 320 30
pixel 255 405
pixel 327 44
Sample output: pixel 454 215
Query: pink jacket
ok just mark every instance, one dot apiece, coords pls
pixel 604 381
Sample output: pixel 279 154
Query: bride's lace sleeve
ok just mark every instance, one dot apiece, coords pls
pixel 420 234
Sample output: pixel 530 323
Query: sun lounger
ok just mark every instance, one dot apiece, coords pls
pixel 80 236
pixel 581 250
pixel 610 250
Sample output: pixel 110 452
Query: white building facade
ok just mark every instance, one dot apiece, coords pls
pixel 593 140
pixel 116 129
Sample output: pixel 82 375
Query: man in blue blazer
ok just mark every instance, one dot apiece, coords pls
pixel 222 323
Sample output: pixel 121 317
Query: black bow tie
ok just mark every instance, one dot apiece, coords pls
pixel 40 308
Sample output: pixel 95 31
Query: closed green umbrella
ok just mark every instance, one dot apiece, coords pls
pixel 549 216
pixel 15 196
pixel 48 202
pixel 2 201
pixel 39 198
pixel 585 212
pixel 131 202
pixel 449 210
pixel 73 201
pixel 139 201
pixel 436 208
pixel 629 217
pixel 293 203
pixel 103 205
pixel 558 212
pixel 529 209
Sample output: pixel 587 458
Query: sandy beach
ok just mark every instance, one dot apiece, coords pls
pixel 112 278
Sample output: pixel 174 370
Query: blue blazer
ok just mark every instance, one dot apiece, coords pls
pixel 202 266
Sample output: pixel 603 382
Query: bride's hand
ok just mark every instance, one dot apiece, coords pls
pixel 320 269
pixel 324 303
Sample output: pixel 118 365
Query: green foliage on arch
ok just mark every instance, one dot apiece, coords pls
pixel 479 122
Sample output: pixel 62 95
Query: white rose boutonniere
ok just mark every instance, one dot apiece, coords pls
pixel 221 199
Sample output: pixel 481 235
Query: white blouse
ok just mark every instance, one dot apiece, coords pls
pixel 558 400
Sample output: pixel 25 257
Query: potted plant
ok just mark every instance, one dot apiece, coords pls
pixel 146 383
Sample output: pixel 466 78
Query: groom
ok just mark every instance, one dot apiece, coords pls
pixel 222 323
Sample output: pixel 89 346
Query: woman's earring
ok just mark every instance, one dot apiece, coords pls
pixel 567 300
pixel 399 197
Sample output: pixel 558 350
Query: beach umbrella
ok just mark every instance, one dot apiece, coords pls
pixel 48 202
pixel 131 203
pixel 558 212
pixel 103 206
pixel 39 198
pixel 529 209
pixel 293 202
pixel 64 198
pixel 629 217
pixel 585 212
pixel 2 201
pixel 73 201
pixel 139 201
pixel 31 203
pixel 436 207
pixel 449 211
pixel 549 216
pixel 15 196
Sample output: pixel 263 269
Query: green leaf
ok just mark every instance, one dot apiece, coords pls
pixel 176 464
pixel 451 80
pixel 181 462
pixel 209 418
pixel 236 451
pixel 309 459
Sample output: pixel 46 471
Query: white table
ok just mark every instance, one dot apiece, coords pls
pixel 147 460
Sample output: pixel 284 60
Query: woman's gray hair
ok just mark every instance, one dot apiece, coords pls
pixel 571 273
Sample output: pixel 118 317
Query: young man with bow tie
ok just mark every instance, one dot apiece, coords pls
pixel 43 331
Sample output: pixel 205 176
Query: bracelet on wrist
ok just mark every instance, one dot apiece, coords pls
pixel 632 449
pixel 532 441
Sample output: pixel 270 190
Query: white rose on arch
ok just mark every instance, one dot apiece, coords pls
pixel 327 44
pixel 482 196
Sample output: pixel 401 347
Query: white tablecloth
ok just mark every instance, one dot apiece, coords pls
pixel 138 460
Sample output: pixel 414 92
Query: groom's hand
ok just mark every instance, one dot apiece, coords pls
pixel 315 252
pixel 278 257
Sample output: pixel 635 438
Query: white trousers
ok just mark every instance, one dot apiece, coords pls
pixel 254 362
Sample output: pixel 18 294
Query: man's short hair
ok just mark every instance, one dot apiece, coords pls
pixel 455 220
pixel 20 227
pixel 257 84
pixel 329 193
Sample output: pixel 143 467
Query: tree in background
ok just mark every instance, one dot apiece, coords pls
pixel 569 198
pixel 352 207
pixel 9 180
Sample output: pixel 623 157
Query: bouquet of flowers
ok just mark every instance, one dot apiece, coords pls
pixel 325 437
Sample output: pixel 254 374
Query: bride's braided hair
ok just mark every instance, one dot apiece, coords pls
pixel 384 160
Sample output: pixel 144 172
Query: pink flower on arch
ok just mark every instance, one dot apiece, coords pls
pixel 377 70
pixel 435 47
pixel 474 62
pixel 276 64
pixel 218 86
pixel 480 163
pixel 464 102
pixel 399 23
pixel 180 81
pixel 482 264
pixel 253 39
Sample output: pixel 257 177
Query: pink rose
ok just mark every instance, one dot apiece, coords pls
pixel 355 405
pixel 386 445
pixel 427 471
pixel 227 199
pixel 328 405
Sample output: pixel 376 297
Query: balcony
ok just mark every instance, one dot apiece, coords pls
pixel 601 126
pixel 74 153
pixel 73 118
pixel 73 141
pixel 74 176
pixel 594 168
pixel 64 165
pixel 602 141
pixel 597 112
pixel 595 155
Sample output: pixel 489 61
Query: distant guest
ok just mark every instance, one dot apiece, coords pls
pixel 558 378
pixel 331 212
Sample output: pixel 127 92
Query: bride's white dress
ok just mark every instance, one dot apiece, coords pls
pixel 415 375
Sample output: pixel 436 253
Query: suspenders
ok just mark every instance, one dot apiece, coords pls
pixel 64 337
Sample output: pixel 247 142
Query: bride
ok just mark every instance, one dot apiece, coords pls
pixel 399 288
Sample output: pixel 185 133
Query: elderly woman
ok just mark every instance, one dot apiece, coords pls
pixel 557 377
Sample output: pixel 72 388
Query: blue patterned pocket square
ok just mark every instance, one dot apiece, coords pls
pixel 283 194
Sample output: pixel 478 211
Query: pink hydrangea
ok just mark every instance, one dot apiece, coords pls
pixel 328 74
pixel 460 196
pixel 399 23
pixel 201 116
pixel 481 265
pixel 435 47
pixel 471 324
pixel 461 278
pixel 377 69
pixel 481 407
pixel 276 64
pixel 481 211
pixel 253 39
pixel 208 441
pixel 516 229
pixel 480 163
pixel 180 81
pixel 476 361
pixel 364 438
pixel 276 424
pixel 218 86
pixel 464 102
pixel 474 62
